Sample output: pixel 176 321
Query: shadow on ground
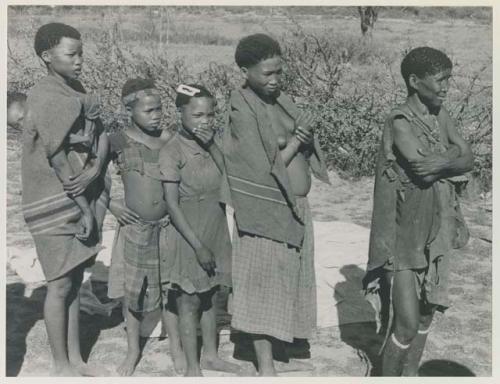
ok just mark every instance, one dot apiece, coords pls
pixel 444 368
pixel 362 336
pixel 24 312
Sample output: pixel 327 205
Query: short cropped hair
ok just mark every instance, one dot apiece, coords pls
pixel 423 61
pixel 183 99
pixel 50 35
pixel 251 50
pixel 15 97
pixel 136 85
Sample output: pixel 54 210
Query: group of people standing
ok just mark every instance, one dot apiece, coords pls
pixel 173 248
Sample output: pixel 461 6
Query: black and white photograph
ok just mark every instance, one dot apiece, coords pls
pixel 247 190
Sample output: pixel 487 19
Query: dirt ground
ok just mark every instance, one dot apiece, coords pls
pixel 459 344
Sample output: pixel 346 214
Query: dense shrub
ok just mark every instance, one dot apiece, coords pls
pixel 346 81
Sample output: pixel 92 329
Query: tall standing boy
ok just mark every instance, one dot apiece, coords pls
pixel 64 150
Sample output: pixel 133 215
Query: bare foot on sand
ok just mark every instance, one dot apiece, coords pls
pixel 196 372
pixel 293 365
pixel 268 372
pixel 217 364
pixel 64 371
pixel 178 358
pixel 127 368
pixel 93 370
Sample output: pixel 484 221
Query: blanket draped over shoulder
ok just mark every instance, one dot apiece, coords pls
pixel 58 115
pixel 259 185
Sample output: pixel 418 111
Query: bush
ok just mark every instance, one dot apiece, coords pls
pixel 347 82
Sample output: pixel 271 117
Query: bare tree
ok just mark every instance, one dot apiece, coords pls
pixel 368 16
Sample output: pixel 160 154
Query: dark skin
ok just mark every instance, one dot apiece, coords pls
pixel 430 167
pixel 62 303
pixel 294 137
pixel 144 200
pixel 295 140
pixel 413 318
pixel 198 118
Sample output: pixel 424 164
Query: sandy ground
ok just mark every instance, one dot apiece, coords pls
pixel 459 344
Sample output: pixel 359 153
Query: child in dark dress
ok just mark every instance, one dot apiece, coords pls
pixel 200 260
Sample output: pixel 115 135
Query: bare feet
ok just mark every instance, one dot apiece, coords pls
pixel 127 367
pixel 195 372
pixel 64 371
pixel 267 372
pixel 217 364
pixel 293 365
pixel 178 357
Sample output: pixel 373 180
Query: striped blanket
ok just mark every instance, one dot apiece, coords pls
pixel 260 189
pixel 56 111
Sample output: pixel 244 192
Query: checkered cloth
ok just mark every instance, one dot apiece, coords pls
pixel 274 286
pixel 144 257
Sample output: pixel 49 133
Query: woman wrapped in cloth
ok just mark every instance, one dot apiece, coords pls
pixel 416 217
pixel 269 152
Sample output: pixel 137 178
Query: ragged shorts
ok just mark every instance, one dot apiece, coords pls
pixel 144 256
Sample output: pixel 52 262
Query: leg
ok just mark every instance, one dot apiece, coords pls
pixel 189 306
pixel 74 350
pixel 55 313
pixel 171 319
pixel 209 358
pixel 418 344
pixel 264 352
pixel 73 302
pixel 128 365
pixel 406 320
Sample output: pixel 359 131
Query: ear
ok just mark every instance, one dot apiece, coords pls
pixel 178 113
pixel 414 81
pixel 244 72
pixel 46 56
pixel 129 108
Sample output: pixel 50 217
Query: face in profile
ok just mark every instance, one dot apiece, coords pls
pixel 198 112
pixel 146 113
pixel 265 77
pixel 66 58
pixel 432 89
pixel 15 114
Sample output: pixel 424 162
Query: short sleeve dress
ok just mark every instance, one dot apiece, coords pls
pixel 185 162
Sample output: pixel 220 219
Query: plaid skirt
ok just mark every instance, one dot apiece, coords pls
pixel 274 285
pixel 138 265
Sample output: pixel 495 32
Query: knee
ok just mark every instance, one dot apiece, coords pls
pixel 406 330
pixel 59 289
pixel 425 321
pixel 188 303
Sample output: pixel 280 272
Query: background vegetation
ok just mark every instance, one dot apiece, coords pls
pixel 349 82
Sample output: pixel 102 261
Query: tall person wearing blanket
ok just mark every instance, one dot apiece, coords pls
pixel 65 191
pixel 269 152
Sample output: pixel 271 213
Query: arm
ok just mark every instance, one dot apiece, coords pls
pixel 456 161
pixel 410 147
pixel 465 161
pixel 59 162
pixel 77 184
pixel 301 140
pixel 291 149
pixel 216 154
pixel 203 254
pixel 205 136
pixel 102 148
pixel 123 214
